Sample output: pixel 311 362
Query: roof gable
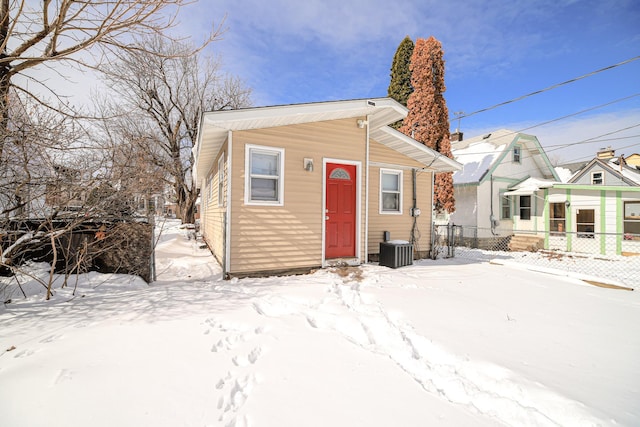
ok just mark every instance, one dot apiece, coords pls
pixel 619 174
pixel 481 156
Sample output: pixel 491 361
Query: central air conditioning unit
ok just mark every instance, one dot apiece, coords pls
pixel 396 253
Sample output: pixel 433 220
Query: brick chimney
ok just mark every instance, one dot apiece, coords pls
pixel 456 136
pixel 606 153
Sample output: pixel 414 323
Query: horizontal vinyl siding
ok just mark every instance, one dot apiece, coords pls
pixel 398 225
pixel 379 153
pixel 274 238
pixel 212 214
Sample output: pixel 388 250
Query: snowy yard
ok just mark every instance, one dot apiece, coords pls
pixel 449 342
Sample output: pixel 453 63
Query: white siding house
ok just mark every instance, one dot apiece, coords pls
pixel 492 165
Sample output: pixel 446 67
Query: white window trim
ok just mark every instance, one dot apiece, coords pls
pixel 247 176
pixel 601 174
pixel 221 181
pixel 400 191
pixel 504 198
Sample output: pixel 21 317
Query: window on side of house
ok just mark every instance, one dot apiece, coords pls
pixel 557 218
pixel 505 207
pixel 264 180
pixel 517 153
pixel 390 191
pixel 585 223
pixel 597 178
pixel 221 180
pixel 631 221
pixel 525 207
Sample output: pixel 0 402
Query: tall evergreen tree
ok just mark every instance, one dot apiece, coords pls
pixel 428 118
pixel 400 85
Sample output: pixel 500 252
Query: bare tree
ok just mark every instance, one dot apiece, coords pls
pixel 54 187
pixel 160 98
pixel 36 34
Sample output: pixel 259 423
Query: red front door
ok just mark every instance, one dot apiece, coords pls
pixel 340 215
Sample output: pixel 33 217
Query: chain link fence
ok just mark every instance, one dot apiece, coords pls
pixel 588 255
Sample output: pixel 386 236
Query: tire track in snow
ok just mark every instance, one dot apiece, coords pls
pixel 484 388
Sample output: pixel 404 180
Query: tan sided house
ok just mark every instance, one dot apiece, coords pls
pixel 295 187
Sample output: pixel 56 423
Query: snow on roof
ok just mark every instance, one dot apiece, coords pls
pixel 631 174
pixel 564 174
pixel 479 153
pixel 530 186
pixel 628 172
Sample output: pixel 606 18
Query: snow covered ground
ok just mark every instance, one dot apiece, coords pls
pixel 448 342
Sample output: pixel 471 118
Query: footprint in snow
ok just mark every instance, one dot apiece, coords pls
pixel 50 338
pixel 249 359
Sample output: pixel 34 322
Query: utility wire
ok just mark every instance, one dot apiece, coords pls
pixel 571 115
pixel 595 138
pixel 547 88
pixel 581 112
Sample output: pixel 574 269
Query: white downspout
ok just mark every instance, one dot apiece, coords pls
pixel 433 181
pixel 227 242
pixel 366 198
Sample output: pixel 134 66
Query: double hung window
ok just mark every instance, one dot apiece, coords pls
pixel 264 180
pixel 390 191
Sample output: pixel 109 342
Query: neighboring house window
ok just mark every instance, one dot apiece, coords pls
pixel 517 153
pixel 597 178
pixel 631 220
pixel 264 182
pixel 557 218
pixel 525 207
pixel 585 221
pixel 390 191
pixel 505 210
pixel 221 180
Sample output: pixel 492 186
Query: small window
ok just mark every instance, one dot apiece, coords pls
pixel 339 173
pixel 221 180
pixel 631 220
pixel 264 180
pixel 390 191
pixel 597 178
pixel 517 153
pixel 585 223
pixel 505 210
pixel 525 207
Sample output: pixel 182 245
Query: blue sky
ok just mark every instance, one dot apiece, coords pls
pixel 292 51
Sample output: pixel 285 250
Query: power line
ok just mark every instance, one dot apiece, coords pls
pixel 557 147
pixel 575 114
pixel 458 117
pixel 595 138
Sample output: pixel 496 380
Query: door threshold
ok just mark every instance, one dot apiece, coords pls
pixel 339 262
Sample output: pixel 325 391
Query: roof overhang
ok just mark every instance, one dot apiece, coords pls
pixel 526 191
pixel 215 126
pixel 529 186
pixel 431 159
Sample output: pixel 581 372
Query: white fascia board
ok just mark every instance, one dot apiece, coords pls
pixel 415 150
